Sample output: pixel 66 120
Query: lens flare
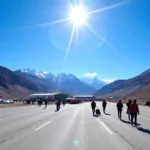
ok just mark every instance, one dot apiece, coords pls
pixel 76 142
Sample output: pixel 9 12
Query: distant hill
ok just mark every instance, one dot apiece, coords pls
pixel 136 85
pixel 12 85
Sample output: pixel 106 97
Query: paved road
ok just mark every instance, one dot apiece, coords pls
pixel 72 128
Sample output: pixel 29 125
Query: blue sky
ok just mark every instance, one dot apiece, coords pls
pixel 27 41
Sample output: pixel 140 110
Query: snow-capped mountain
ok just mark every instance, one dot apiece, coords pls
pixel 39 74
pixel 63 77
pixel 34 72
pixel 64 82
pixel 94 82
pixel 69 82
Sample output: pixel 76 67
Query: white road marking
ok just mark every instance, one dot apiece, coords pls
pixel 106 128
pixel 42 126
pixel 144 118
pixel 104 125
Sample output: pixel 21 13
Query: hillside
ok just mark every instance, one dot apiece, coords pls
pixel 121 88
pixel 70 83
pixel 12 85
pixel 43 84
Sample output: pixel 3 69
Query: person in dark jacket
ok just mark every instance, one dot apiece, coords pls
pixel 104 105
pixel 134 109
pixel 93 106
pixel 119 108
pixel 128 108
pixel 58 103
pixel 46 103
pixel 63 102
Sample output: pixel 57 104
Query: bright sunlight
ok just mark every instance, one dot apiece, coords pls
pixel 78 15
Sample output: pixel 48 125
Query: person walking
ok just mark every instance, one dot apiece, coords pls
pixel 134 109
pixel 46 103
pixel 63 102
pixel 58 103
pixel 104 105
pixel 119 109
pixel 128 108
pixel 93 106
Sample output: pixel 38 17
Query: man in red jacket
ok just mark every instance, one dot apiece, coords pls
pixel 134 110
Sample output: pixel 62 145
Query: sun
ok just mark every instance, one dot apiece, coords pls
pixel 78 15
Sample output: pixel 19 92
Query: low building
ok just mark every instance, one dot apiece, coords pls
pixel 49 96
pixel 83 96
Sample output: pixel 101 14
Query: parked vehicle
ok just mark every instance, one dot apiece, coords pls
pixel 6 101
pixel 11 101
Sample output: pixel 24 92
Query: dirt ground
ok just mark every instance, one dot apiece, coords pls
pixel 139 101
pixel 12 105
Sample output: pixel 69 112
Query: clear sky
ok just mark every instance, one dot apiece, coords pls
pixel 28 40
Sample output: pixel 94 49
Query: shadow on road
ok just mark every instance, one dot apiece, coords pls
pixel 124 121
pixel 107 114
pixel 128 122
pixel 143 130
pixel 96 115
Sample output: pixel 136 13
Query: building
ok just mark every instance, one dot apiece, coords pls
pixel 49 96
pixel 83 96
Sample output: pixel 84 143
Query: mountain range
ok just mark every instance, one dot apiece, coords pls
pixel 62 77
pixel 22 82
pixel 136 87
pixel 62 82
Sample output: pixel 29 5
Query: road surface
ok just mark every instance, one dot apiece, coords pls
pixel 72 128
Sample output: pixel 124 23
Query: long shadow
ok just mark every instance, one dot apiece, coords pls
pixel 107 114
pixel 143 130
pixel 96 115
pixel 124 121
pixel 128 122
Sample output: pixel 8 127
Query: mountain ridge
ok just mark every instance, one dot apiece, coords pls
pixel 127 87
pixel 12 85
pixel 94 82
pixel 63 82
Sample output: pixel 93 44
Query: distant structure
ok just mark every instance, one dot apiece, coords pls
pixel 83 96
pixel 49 96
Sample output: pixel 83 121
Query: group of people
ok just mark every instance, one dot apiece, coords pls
pixel 132 110
pixel 58 103
pixel 93 106
pixel 40 102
